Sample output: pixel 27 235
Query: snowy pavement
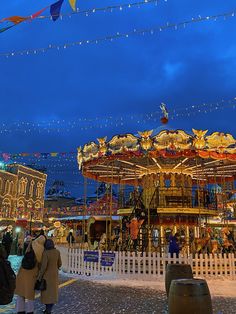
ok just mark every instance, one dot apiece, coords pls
pixel 218 287
pixel 112 296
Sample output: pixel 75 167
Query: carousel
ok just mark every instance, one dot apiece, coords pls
pixel 180 182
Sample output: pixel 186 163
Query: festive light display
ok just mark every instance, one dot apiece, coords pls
pixel 7 156
pixel 118 7
pixel 55 10
pixel 119 35
pixel 86 124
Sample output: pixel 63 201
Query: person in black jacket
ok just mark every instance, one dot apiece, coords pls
pixel 7 242
pixel 70 238
pixel 7 279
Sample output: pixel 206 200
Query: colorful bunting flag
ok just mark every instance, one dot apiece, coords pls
pixel 73 4
pixel 37 14
pixel 55 9
pixel 15 19
pixel 6 156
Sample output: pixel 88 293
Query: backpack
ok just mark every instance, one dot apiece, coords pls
pixel 7 282
pixel 29 260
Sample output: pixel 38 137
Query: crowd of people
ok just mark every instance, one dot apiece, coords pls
pixel 38 271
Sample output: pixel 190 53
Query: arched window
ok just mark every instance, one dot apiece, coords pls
pixel 7 187
pixel 39 190
pixel 1 185
pixel 31 189
pixel 22 186
pixel 11 187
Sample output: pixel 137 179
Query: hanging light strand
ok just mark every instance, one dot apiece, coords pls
pixel 86 124
pixel 118 7
pixel 118 35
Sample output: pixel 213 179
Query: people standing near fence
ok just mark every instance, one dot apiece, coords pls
pixel 70 238
pixel 174 245
pixel 51 262
pixel 27 275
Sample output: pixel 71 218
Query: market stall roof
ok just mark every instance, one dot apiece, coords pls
pixel 126 159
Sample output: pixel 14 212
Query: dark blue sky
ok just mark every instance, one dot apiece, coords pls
pixel 129 76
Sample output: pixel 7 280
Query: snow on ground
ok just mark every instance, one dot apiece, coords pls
pixel 218 287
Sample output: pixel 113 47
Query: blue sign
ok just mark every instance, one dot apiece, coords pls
pixel 91 256
pixel 107 259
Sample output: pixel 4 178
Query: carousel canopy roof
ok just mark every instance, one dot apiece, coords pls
pixel 127 158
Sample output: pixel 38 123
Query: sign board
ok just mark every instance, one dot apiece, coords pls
pixel 107 259
pixel 91 256
pixel 21 223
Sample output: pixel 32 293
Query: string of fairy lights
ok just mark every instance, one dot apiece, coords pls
pixel 111 121
pixel 121 35
pixel 110 8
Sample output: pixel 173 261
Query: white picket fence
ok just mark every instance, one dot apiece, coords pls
pixel 148 265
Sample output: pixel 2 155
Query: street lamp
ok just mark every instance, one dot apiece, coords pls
pixel 31 218
pixel 17 231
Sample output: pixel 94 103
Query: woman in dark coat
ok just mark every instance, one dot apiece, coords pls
pixel 7 279
pixel 7 242
pixel 51 262
pixel 174 245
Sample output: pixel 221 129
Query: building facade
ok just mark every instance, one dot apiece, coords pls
pixel 21 193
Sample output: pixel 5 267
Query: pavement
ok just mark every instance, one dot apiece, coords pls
pixel 77 295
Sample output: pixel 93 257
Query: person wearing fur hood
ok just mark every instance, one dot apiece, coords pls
pixel 26 278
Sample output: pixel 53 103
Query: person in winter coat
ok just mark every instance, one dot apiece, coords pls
pixel 174 245
pixel 7 279
pixel 134 226
pixel 7 242
pixel 26 278
pixel 70 238
pixel 51 262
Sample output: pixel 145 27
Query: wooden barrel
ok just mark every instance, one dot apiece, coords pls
pixel 189 296
pixel 177 271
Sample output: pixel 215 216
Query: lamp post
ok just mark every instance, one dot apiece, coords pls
pixel 31 218
pixel 17 231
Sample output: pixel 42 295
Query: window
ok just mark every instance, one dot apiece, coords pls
pixel 39 190
pixel 31 190
pixel 7 187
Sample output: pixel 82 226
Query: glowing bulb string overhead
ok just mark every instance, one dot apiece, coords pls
pixel 111 8
pixel 111 121
pixel 119 35
pixel 55 10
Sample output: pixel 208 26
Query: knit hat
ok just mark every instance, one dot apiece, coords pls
pixel 38 247
pixel 49 244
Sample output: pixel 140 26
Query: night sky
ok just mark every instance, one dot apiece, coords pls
pixel 45 98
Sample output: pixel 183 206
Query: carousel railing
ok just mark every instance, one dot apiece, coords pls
pixel 175 196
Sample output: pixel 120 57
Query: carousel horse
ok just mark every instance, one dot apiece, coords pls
pixel 206 245
pixel 102 243
pixel 228 245
pixel 200 245
pixel 215 246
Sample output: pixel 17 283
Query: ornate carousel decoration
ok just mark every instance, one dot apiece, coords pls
pixel 177 176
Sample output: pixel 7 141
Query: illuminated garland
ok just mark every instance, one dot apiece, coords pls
pixel 118 35
pixel 85 124
pixel 55 9
pixel 119 7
